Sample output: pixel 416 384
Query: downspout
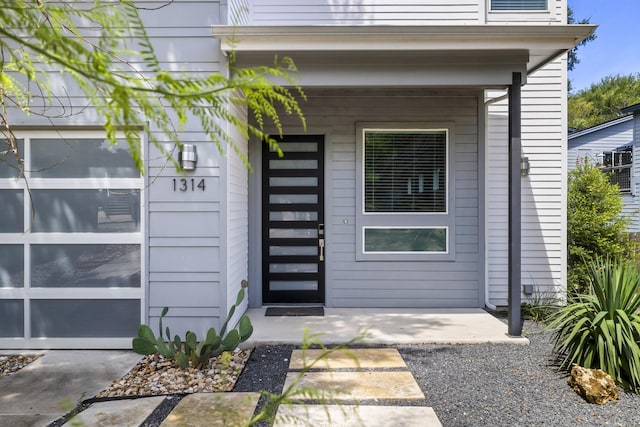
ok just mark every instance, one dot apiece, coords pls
pixel 488 303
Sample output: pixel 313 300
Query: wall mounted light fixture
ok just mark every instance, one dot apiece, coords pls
pixel 524 166
pixel 188 157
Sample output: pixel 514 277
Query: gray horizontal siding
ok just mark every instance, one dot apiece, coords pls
pixel 352 283
pixel 543 261
pixel 367 12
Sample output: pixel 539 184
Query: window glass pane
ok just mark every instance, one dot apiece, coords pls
pixel 12 202
pixel 85 266
pixel 293 233
pixel 293 268
pixel 81 158
pixel 11 266
pixel 293 216
pixel 309 181
pixel 518 4
pixel 298 147
pixel 8 162
pixel 293 250
pixel 86 211
pixel 282 285
pixel 11 318
pixel 405 171
pixel 293 164
pixel 280 199
pixel 72 318
pixel 405 240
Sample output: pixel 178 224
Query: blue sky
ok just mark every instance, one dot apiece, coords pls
pixel 616 50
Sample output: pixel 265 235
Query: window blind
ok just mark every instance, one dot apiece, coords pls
pixel 405 171
pixel 518 4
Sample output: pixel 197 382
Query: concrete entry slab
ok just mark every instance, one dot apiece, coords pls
pixel 356 416
pixel 349 386
pixel 365 358
pixel 213 409
pixel 392 326
pixel 117 412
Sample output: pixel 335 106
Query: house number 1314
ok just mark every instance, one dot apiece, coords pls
pixel 185 184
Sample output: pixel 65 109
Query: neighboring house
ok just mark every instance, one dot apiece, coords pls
pixel 613 146
pixel 398 194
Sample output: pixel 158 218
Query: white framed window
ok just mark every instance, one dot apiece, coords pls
pixel 404 191
pixel 405 171
pixel 618 165
pixel 405 240
pixel 518 5
pixel 72 250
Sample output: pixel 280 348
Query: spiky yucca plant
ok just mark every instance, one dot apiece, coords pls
pixel 602 329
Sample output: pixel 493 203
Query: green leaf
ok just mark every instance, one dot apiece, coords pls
pixel 245 328
pixel 143 346
pixel 146 333
pixel 182 360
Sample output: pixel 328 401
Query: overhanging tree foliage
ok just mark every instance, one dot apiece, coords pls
pixel 603 100
pixel 102 47
pixel 572 55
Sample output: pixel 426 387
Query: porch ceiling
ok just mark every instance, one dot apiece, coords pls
pixel 484 49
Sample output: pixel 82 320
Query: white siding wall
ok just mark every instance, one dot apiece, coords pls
pixel 236 244
pixel 543 191
pixel 238 12
pixel 365 12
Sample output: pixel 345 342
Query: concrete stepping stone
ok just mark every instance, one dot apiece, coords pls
pixel 365 358
pixel 352 416
pixel 346 386
pixel 125 412
pixel 213 409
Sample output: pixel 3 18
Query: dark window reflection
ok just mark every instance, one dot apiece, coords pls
pixel 8 161
pixel 85 266
pixel 11 318
pixel 12 204
pixel 11 266
pixel 81 158
pixel 86 211
pixel 84 318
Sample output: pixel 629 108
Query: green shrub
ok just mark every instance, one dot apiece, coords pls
pixel 192 352
pixel 595 225
pixel 601 329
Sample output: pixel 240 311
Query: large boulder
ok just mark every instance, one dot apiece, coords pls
pixel 594 385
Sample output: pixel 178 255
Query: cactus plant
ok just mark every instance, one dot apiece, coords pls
pixel 192 352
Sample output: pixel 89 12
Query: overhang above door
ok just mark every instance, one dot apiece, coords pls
pixel 397 56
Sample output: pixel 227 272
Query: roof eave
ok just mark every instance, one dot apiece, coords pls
pixel 544 42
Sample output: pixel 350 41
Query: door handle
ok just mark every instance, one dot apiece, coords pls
pixel 321 241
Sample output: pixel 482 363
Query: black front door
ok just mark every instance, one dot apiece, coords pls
pixel 293 221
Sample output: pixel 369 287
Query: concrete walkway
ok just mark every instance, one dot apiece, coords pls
pixel 361 387
pixel 54 384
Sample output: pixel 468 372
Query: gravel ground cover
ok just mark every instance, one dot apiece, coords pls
pixel 155 375
pixel 13 363
pixel 478 385
pixel 467 385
